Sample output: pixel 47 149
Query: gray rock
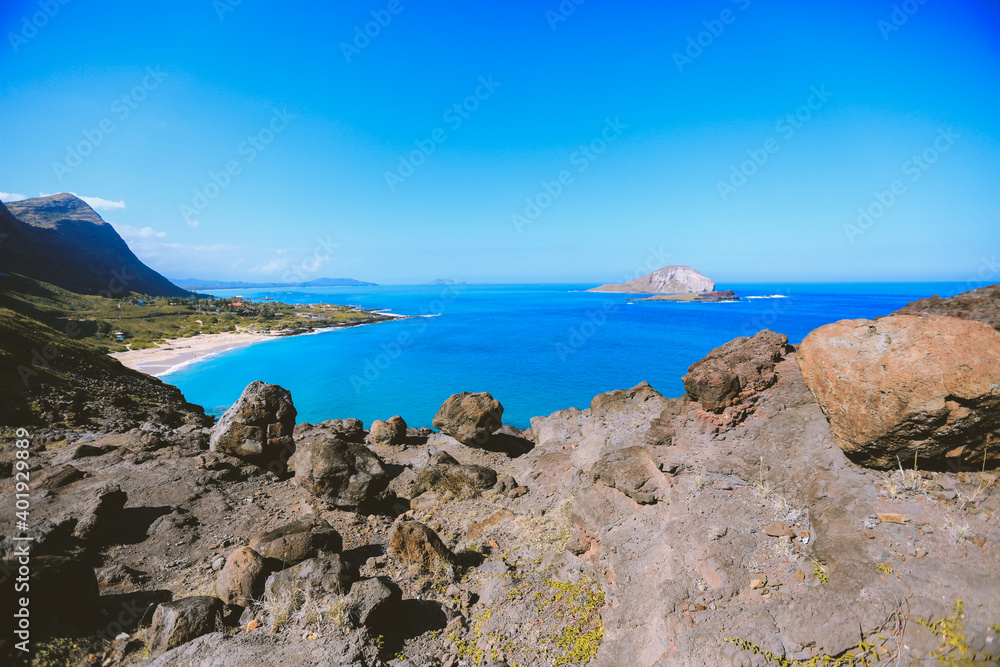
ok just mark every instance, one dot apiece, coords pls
pixel 344 474
pixel 258 427
pixel 330 575
pixel 632 471
pixel 103 516
pixel 180 621
pixel 297 541
pixel 373 603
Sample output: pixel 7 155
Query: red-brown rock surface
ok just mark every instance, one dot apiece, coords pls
pixel 905 384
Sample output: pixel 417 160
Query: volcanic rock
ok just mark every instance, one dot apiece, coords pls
pixel 470 418
pixel 345 474
pixel 258 426
pixel 733 373
pixel 905 385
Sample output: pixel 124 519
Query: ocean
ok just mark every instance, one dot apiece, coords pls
pixel 536 348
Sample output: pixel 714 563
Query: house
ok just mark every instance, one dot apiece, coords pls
pixel 119 335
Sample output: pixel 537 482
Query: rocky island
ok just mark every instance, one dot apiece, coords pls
pixel 668 280
pixel 831 504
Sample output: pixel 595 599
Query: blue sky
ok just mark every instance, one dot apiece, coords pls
pixel 590 141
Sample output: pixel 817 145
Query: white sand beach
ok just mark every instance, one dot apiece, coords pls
pixel 179 352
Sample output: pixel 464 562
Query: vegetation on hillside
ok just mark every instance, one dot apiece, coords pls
pixel 144 320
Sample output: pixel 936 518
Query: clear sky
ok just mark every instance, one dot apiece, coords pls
pixel 590 141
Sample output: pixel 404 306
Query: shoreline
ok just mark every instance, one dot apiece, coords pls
pixel 176 353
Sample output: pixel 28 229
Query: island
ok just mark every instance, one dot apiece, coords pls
pixel 671 279
pixel 722 296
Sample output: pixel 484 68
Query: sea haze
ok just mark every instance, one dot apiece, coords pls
pixel 536 348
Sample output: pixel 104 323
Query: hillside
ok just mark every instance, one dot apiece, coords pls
pixel 668 280
pixel 61 240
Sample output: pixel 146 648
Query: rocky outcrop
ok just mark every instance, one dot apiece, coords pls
pixel 259 426
pixel 391 432
pixel 470 418
pixel 178 622
pixel 297 541
pixel 731 375
pixel 980 305
pixel 344 474
pixel 906 385
pixel 633 471
pixel 668 280
pixel 102 517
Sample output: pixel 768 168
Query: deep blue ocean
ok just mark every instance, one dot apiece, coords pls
pixel 536 348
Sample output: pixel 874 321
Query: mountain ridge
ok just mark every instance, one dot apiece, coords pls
pixel 60 239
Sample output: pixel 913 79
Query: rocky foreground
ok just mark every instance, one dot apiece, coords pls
pixel 833 504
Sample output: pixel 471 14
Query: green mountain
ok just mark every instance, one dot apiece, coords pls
pixel 61 240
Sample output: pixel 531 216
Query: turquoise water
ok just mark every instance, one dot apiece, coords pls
pixel 536 348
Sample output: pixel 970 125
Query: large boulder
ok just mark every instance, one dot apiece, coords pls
pixel 297 541
pixel 329 575
pixel 345 474
pixel 391 432
pixel 470 418
pixel 178 622
pixel 373 603
pixel 732 375
pixel 905 385
pixel 258 426
pixel 242 578
pixel 416 546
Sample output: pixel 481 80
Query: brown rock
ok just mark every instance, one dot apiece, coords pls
pixel 391 432
pixel 905 384
pixel 632 471
pixel 733 373
pixel 416 545
pixel 469 418
pixel 981 305
pixel 778 529
pixel 242 578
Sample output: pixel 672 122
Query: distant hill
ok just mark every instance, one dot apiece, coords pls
pixel 196 284
pixel 61 240
pixel 668 280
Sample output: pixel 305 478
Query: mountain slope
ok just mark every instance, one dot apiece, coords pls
pixel 668 280
pixel 59 239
